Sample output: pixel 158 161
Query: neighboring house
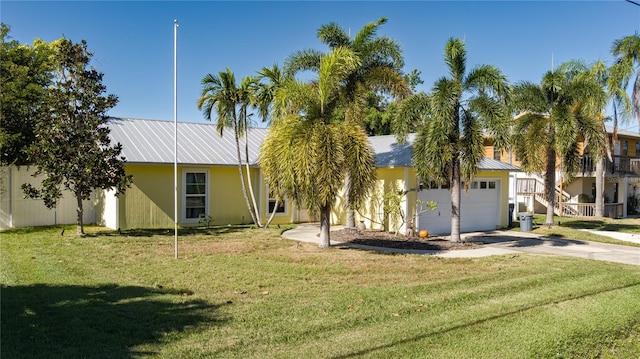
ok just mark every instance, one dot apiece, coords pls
pixel 209 184
pixel 622 181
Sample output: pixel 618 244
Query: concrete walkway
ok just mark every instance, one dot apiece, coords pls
pixel 497 243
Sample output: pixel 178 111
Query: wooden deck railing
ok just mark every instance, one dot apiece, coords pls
pixel 620 164
pixel 535 188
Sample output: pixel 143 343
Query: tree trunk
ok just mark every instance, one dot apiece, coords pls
pixel 325 223
pixel 455 200
pixel 550 186
pixel 599 200
pixel 244 187
pixel 246 156
pixel 273 214
pixel 80 211
pixel 350 220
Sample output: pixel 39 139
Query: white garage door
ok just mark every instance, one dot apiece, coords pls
pixel 479 210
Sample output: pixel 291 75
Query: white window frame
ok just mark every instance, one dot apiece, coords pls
pixel 183 194
pixel 284 204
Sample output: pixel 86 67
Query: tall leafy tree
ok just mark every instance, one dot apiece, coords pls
pixel 230 101
pixel 72 149
pixel 625 73
pixel 598 141
pixel 309 147
pixel 452 121
pixel 553 117
pixel 379 72
pixel 25 72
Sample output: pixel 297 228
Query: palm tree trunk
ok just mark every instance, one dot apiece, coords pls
pixel 244 187
pixel 350 220
pixel 80 212
pixel 325 215
pixel 455 200
pixel 550 185
pixel 599 210
pixel 273 214
pixel 256 212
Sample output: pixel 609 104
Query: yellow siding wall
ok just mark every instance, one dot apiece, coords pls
pixel 226 202
pixel 149 203
pixel 389 180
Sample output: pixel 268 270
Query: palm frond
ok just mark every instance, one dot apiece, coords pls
pixel 333 35
pixel 367 33
pixel 301 61
pixel 455 56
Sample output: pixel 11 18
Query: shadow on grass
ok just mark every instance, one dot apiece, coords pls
pixel 555 240
pixel 70 230
pixel 600 226
pixel 212 231
pixel 69 321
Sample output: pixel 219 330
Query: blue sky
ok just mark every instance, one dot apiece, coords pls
pixel 133 41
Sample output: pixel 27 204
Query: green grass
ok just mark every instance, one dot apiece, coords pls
pixel 246 293
pixel 567 227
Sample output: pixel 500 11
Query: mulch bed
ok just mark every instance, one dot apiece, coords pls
pixel 378 238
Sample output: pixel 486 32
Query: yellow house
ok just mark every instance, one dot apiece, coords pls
pixel 484 206
pixel 210 191
pixel 208 179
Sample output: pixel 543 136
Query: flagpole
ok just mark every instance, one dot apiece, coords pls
pixel 175 137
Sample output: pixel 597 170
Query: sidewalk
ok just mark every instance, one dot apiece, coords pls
pixel 497 243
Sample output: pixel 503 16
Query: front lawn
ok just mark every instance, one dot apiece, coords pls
pixel 246 293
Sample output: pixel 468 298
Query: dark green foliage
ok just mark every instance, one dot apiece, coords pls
pixel 72 149
pixel 24 72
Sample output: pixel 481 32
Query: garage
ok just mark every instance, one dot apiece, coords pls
pixel 479 209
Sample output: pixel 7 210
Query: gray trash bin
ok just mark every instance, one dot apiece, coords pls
pixel 526 221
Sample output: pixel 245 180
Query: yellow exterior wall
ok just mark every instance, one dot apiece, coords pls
pixel 389 180
pixel 149 203
pixel 226 201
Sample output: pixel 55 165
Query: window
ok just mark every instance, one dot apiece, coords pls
pixel 625 147
pixel 497 154
pixel 474 185
pixel 272 203
pixel 492 185
pixel 195 200
pixel 638 149
pixel 483 185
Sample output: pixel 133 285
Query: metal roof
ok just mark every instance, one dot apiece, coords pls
pixel 151 141
pixel 622 132
pixel 391 154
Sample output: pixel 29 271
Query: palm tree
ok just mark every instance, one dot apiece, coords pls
pixel 308 148
pixel 220 94
pixel 453 118
pixel 599 143
pixel 379 70
pixel 553 117
pixel 624 72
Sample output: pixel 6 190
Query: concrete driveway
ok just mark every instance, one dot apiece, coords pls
pixel 531 243
pixel 499 243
